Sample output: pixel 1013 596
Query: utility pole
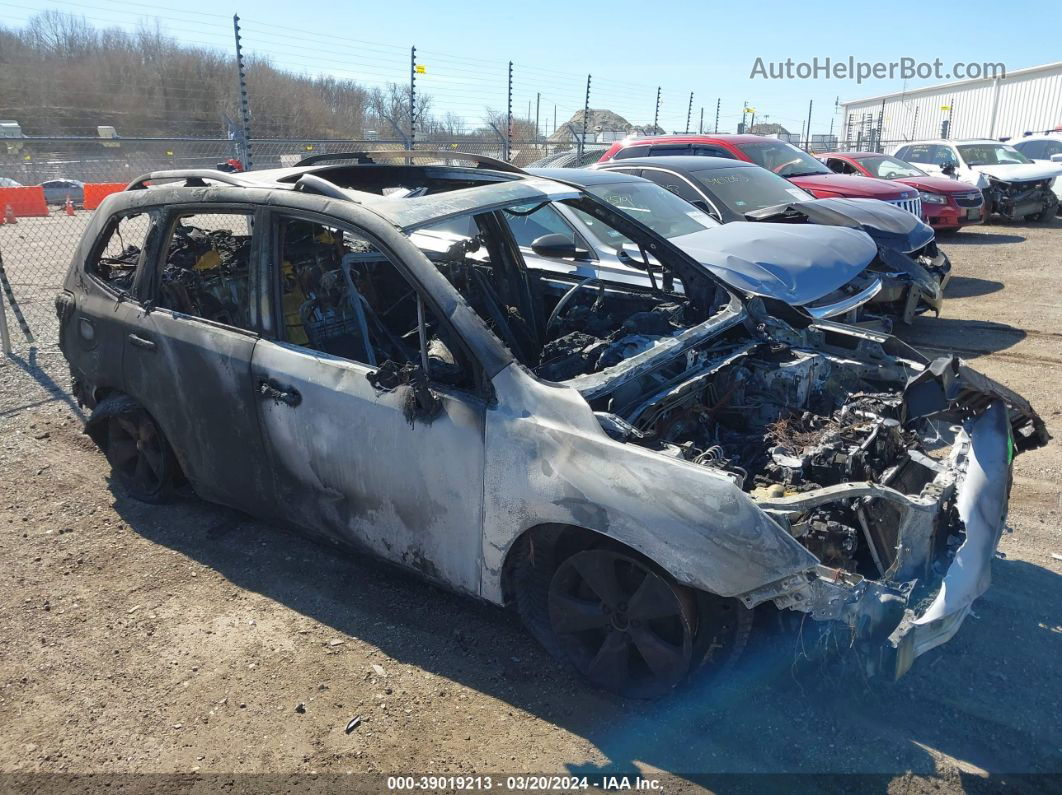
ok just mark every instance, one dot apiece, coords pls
pixel 700 127
pixel 807 141
pixel 554 119
pixel 744 111
pixel 412 142
pixel 718 104
pixel 586 114
pixel 245 107
pixel 509 117
pixel 689 114
pixel 656 113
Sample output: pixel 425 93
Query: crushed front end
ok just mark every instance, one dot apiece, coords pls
pixel 1018 200
pixel 912 282
pixel 893 472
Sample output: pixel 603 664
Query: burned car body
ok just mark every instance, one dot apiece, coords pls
pixel 912 270
pixel 696 457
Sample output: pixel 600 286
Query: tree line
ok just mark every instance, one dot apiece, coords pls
pixel 60 75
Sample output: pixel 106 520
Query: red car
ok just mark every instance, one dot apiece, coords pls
pixel 947 204
pixel 782 158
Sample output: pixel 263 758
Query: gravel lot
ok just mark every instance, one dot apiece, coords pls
pixel 187 638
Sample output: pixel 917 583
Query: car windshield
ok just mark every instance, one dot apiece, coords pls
pixel 889 167
pixel 991 155
pixel 658 208
pixel 783 159
pixel 746 189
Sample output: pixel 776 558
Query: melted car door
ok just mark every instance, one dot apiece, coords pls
pixel 367 449
pixel 188 361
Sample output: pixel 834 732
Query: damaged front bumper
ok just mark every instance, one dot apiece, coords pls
pixel 913 288
pixel 928 587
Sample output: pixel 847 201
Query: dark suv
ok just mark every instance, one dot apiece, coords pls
pixel 361 351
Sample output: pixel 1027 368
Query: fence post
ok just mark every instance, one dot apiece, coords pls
pixel 656 113
pixel 412 99
pixel 586 114
pixel 538 134
pixel 689 114
pixel 245 107
pixel 509 119
pixel 5 337
pixel 807 140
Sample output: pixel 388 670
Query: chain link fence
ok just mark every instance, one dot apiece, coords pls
pixel 36 250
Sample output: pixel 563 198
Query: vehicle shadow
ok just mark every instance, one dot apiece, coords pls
pixel 936 336
pixel 970 287
pixel 765 720
pixel 981 238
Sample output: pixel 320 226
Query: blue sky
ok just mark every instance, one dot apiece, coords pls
pixel 628 47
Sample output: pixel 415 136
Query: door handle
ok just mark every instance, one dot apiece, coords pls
pixel 141 342
pixel 271 390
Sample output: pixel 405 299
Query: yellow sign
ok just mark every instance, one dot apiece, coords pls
pixel 945 107
pixel 750 110
pixel 308 147
pixel 420 69
pixel 169 153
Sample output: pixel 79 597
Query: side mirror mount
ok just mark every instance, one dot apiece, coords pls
pixel 555 246
pixel 631 254
pixel 947 168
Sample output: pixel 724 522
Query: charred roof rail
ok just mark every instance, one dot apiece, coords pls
pixel 194 177
pixel 309 183
pixel 369 158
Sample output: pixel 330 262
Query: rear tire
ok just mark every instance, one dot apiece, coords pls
pixel 1046 214
pixel 622 622
pixel 141 459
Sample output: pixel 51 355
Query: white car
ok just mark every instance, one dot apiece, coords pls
pixel 1045 150
pixel 1013 185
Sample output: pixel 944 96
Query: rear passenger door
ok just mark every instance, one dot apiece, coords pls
pixel 188 361
pixel 366 452
pixel 107 305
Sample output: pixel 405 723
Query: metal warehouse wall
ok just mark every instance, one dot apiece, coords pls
pixel 1028 99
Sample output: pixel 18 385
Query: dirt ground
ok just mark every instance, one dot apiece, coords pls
pixel 190 639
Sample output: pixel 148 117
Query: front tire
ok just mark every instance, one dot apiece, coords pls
pixel 623 623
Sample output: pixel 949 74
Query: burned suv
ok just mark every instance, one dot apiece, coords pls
pixel 633 467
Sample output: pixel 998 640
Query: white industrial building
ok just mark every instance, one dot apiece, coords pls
pixel 1025 100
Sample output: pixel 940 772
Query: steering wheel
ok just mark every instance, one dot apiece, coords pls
pixel 554 316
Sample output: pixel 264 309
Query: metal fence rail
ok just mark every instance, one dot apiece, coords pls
pixel 35 252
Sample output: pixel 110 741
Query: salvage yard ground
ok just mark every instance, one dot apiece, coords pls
pixel 188 638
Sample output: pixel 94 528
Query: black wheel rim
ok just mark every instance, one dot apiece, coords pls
pixel 626 628
pixel 135 450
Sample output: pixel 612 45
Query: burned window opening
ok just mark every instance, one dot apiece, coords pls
pixel 118 257
pixel 206 270
pixel 559 326
pixel 342 296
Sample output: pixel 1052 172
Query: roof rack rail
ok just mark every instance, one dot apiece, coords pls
pixel 191 174
pixel 367 158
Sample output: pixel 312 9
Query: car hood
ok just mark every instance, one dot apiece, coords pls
pixel 888 225
pixel 852 185
pixel 794 264
pixel 1021 172
pixel 938 184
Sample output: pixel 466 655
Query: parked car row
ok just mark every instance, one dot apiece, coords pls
pixel 568 392
pixel 955 183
